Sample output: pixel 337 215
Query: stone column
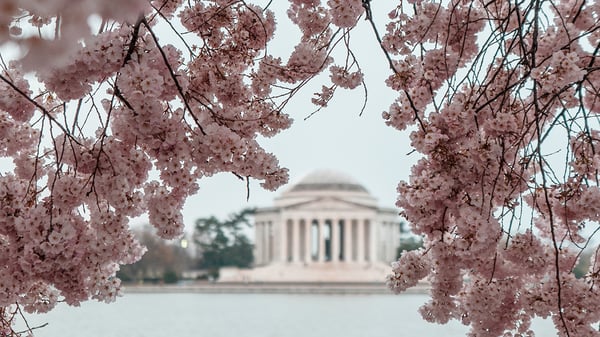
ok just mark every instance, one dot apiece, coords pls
pixel 296 240
pixel 270 235
pixel 389 238
pixel 261 244
pixel 335 240
pixel 372 241
pixel 396 242
pixel 307 241
pixel 321 243
pixel 283 240
pixel 360 241
pixel 347 240
pixel 393 242
pixel 269 249
pixel 258 244
pixel 265 243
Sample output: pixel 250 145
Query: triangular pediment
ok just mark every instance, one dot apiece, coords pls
pixel 329 204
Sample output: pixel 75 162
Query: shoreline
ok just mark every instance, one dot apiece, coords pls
pixel 270 288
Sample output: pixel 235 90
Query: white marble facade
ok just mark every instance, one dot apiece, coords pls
pixel 326 218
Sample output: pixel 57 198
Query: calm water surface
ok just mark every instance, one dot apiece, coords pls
pixel 248 315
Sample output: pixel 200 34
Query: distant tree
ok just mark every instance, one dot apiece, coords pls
pixel 409 244
pixel 163 261
pixel 170 276
pixel 223 243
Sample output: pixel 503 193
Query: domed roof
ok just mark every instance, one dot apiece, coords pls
pixel 324 185
pixel 328 180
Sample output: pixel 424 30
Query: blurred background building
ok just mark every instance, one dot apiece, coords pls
pixel 325 228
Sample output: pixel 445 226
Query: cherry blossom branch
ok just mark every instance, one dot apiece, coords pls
pixel 174 77
pixel 37 105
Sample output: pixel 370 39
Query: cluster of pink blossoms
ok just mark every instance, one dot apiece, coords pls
pixel 114 101
pixel 503 225
pixel 344 13
pixel 17 18
pixel 345 79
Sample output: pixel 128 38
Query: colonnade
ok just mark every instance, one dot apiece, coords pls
pixel 316 240
pixel 390 233
pixel 264 244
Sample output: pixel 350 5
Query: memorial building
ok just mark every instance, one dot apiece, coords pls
pixel 325 228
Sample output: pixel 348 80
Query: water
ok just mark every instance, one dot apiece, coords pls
pixel 248 315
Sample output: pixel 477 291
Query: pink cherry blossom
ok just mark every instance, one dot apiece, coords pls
pixel 105 116
pixel 503 225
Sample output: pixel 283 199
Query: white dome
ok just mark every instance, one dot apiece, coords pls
pixel 328 180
